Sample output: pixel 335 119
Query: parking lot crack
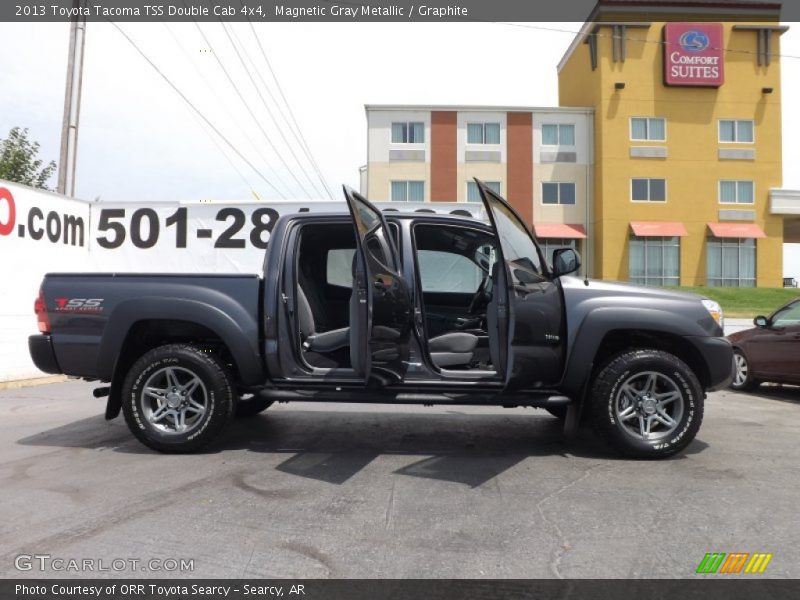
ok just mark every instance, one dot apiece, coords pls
pixel 389 519
pixel 563 543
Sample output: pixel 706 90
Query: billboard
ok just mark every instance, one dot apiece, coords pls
pixel 42 232
pixel 693 54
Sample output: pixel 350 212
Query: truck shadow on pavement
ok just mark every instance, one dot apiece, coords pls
pixel 333 446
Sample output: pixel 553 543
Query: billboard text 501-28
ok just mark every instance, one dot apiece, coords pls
pixel 145 226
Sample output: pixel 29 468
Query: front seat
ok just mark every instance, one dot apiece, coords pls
pixel 327 341
pixel 452 349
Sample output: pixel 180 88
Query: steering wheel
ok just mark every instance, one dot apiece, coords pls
pixel 481 295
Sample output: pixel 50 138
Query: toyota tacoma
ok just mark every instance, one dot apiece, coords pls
pixel 377 307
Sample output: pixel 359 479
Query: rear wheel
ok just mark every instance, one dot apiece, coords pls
pixel 742 375
pixel 177 398
pixel 646 404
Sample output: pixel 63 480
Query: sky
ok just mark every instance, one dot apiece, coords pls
pixel 139 140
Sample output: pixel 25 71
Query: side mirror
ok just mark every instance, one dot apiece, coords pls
pixel 565 261
pixel 761 321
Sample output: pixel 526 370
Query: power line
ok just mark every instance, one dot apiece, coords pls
pixel 250 110
pixel 266 106
pixel 195 109
pixel 247 184
pixel 288 125
pixel 215 94
pixel 306 148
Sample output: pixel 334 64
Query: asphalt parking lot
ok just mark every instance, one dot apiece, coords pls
pixel 346 491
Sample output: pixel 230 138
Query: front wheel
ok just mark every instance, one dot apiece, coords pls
pixel 177 398
pixel 646 404
pixel 742 375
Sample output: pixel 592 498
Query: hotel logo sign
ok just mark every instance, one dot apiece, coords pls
pixel 693 54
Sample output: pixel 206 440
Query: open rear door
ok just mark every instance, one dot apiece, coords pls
pixel 526 315
pixel 380 321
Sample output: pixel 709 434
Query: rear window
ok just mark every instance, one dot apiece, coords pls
pixel 339 267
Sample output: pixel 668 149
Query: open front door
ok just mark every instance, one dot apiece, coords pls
pixel 525 316
pixel 380 321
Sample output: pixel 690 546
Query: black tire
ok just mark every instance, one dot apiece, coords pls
pixel 559 412
pixel 747 383
pixel 250 407
pixel 615 391
pixel 188 364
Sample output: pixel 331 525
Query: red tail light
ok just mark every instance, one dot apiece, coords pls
pixel 42 318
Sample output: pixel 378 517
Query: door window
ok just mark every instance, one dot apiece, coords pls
pixel 519 251
pixel 787 317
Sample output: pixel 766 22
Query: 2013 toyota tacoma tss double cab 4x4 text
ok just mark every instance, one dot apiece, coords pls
pixel 389 308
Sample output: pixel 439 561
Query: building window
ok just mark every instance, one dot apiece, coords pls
pixel 550 244
pixel 731 262
pixel 483 133
pixel 558 193
pixel 474 195
pixel 654 260
pixel 648 129
pixel 736 131
pixel 408 133
pixel 558 135
pixel 648 190
pixel 736 192
pixel 408 191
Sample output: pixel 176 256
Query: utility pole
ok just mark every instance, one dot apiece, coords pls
pixel 72 103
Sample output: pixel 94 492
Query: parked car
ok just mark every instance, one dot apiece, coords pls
pixel 769 352
pixel 412 308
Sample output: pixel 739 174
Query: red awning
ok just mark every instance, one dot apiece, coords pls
pixel 658 229
pixel 559 230
pixel 736 230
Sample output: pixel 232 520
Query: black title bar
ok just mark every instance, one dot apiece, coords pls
pixel 730 588
pixel 382 10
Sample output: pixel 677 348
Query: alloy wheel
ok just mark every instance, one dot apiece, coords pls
pixel 649 405
pixel 174 400
pixel 742 370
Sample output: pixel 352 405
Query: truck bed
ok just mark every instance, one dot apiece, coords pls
pixel 92 313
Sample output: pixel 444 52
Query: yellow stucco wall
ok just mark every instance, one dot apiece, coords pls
pixel 692 167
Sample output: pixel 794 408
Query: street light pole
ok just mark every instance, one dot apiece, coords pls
pixel 72 103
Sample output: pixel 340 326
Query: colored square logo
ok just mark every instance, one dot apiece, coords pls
pixel 693 54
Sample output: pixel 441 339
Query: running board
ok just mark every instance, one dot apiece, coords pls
pixel 538 400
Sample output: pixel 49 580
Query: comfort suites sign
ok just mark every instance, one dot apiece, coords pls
pixel 693 54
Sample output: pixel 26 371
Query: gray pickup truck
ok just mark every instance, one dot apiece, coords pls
pixel 413 308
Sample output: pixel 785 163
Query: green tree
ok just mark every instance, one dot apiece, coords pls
pixel 19 161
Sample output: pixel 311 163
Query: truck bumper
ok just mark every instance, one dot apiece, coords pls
pixel 717 352
pixel 41 349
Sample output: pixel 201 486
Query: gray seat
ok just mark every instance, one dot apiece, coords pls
pixel 326 341
pixel 447 350
pixel 452 349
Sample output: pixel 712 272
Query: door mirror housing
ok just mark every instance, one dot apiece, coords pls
pixel 761 321
pixel 565 261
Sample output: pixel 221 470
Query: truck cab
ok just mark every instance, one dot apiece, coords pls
pixel 399 302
